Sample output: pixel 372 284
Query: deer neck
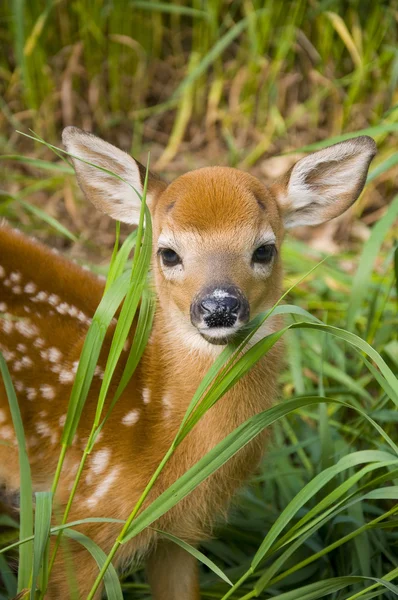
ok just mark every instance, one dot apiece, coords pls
pixel 177 360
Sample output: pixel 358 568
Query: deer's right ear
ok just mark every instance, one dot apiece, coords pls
pixel 119 196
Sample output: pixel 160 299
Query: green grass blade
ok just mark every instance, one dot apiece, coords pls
pixel 111 579
pixel 26 503
pixel 382 167
pixel 43 511
pixel 371 131
pixel 366 263
pixel 37 163
pixel 214 459
pixel 8 577
pixel 196 553
pixel 37 212
pixel 90 353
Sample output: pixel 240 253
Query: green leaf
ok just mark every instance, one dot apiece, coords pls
pixel 40 164
pixel 214 459
pixel 111 579
pixel 26 504
pixel 196 553
pixel 370 251
pixel 41 537
pixel 47 219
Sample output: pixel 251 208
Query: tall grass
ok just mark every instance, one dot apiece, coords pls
pixel 320 515
pixel 254 74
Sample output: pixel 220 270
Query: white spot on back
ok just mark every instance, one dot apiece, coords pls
pixel 3 307
pixel 66 376
pixel 166 401
pixel 3 416
pixel 26 361
pixel 15 276
pixel 6 325
pixel 19 386
pixel 30 288
pixel 53 299
pixel 103 488
pixel 31 393
pixel 47 392
pixel 100 460
pixel 146 396
pixel 130 418
pixel 40 297
pixel 26 329
pixel 54 355
pixel 7 432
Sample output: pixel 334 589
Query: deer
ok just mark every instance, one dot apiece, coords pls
pixel 217 236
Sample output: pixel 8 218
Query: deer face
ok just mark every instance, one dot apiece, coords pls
pixel 218 231
pixel 217 239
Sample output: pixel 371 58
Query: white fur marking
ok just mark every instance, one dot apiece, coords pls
pixel 47 392
pixel 103 488
pixel 146 396
pixel 130 418
pixel 100 460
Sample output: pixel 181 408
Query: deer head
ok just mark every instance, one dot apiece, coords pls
pixel 218 231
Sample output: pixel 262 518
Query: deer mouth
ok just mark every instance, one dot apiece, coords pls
pixel 219 336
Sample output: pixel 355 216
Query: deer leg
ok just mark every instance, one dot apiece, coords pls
pixel 172 573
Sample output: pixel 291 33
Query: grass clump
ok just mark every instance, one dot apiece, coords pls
pixel 230 82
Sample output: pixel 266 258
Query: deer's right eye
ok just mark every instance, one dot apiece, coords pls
pixel 170 258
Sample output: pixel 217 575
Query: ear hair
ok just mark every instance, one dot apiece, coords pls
pixel 118 196
pixel 324 184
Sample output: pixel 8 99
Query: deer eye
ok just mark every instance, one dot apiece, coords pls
pixel 170 258
pixel 264 254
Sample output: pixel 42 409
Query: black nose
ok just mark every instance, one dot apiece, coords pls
pixel 220 307
pixel 226 303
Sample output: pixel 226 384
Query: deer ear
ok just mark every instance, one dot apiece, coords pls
pixel 119 196
pixel 323 185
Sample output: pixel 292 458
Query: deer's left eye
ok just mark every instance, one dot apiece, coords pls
pixel 264 254
pixel 170 258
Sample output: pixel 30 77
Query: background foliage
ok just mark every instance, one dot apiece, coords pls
pixel 241 83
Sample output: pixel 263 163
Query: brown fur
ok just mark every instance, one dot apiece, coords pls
pixel 216 215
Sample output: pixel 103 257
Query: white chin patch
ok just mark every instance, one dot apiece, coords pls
pixel 217 335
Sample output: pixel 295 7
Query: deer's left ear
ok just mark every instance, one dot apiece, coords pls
pixel 118 196
pixel 323 185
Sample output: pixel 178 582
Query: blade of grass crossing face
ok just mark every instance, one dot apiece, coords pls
pixel 26 503
pixel 221 366
pixel 43 511
pixel 111 579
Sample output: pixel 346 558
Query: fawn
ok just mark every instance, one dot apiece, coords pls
pixel 217 235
